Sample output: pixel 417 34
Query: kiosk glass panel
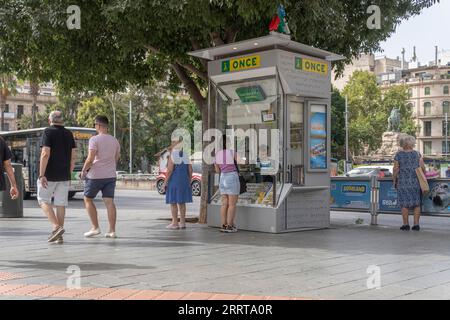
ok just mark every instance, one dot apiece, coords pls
pixel 250 112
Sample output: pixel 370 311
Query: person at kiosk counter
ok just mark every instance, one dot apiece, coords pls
pixel 226 164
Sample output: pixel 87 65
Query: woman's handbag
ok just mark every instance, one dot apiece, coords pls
pixel 242 182
pixel 422 180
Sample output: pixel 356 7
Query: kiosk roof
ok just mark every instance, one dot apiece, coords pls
pixel 263 43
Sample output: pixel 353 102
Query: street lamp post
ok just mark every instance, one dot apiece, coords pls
pixel 114 113
pixel 346 135
pixel 446 135
pixel 131 141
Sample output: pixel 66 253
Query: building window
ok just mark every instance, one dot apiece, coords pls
pixel 427 108
pixel 410 93
pixel 446 90
pixel 427 147
pixel 6 126
pixel 427 91
pixel 444 149
pixel 427 128
pixel 6 108
pixel 446 107
pixel 443 128
pixel 19 111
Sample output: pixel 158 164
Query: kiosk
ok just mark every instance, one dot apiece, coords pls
pixel 279 90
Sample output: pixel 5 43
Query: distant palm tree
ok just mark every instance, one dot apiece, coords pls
pixel 7 87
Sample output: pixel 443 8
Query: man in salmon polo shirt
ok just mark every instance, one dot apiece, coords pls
pixel 99 170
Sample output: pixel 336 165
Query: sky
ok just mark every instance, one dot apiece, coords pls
pixel 429 29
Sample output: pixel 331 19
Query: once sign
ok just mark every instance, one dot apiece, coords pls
pixel 309 65
pixel 243 63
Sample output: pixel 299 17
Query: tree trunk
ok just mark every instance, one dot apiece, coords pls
pixel 2 108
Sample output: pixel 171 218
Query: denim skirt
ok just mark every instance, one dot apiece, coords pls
pixel 229 183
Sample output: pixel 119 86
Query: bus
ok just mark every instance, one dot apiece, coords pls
pixel 25 147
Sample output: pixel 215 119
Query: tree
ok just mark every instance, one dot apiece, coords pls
pixel 122 42
pixel 397 97
pixel 337 124
pixel 369 110
pixel 7 87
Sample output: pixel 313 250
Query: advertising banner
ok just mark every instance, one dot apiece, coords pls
pixel 437 201
pixel 350 194
pixel 387 199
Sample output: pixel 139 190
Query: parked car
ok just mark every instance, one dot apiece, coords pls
pixel 196 182
pixel 369 171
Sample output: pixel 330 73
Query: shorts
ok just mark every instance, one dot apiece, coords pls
pixel 229 183
pixel 58 190
pixel 94 186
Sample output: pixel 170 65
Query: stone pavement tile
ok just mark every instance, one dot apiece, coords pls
pixel 276 298
pixel 27 290
pixel 96 293
pixel 145 295
pixel 119 294
pixel 197 296
pixel 4 276
pixel 171 295
pixel 49 291
pixel 6 288
pixel 384 293
pixel 72 293
pixel 222 296
pixel 248 297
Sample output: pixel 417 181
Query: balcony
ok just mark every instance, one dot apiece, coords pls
pixel 9 115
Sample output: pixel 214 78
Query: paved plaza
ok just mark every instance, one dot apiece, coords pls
pixel 148 261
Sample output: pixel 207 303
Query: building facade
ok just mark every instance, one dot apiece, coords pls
pixel 429 91
pixel 21 104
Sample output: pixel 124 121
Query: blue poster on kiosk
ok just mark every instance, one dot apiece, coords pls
pixel 350 194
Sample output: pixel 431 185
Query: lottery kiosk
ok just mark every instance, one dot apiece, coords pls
pixel 273 95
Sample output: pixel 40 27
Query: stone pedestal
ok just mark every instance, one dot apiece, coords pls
pixel 389 146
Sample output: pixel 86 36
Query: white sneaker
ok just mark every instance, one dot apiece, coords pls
pixel 111 235
pixel 92 233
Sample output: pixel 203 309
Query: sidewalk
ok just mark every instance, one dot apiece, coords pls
pixel 324 264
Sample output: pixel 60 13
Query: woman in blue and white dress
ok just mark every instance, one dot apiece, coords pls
pixel 406 182
pixel 178 182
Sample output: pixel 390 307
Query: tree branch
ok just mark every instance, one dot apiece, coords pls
pixel 191 68
pixel 230 35
pixel 190 85
pixel 216 39
pixel 197 46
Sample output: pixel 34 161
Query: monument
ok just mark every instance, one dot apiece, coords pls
pixel 390 143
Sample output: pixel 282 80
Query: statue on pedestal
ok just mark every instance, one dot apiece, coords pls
pixel 394 121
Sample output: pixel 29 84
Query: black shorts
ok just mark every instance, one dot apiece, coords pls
pixel 94 186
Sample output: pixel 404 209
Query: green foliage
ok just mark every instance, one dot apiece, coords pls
pixel 111 48
pixel 369 110
pixel 337 124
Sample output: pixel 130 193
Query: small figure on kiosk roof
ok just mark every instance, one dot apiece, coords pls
pixel 279 23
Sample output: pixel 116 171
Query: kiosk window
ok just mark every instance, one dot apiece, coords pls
pixel 250 109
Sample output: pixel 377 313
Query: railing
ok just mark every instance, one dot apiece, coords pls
pixel 137 177
pixel 378 196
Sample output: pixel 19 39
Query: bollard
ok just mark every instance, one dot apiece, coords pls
pixel 12 208
pixel 374 201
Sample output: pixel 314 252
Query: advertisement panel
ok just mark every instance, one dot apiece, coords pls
pixel 387 200
pixel 350 194
pixel 437 201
